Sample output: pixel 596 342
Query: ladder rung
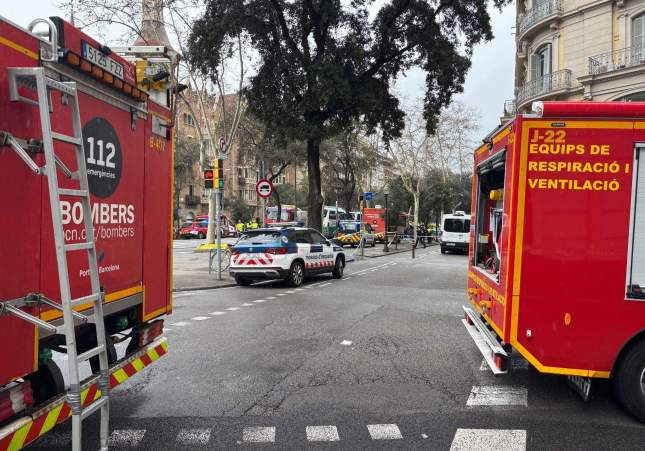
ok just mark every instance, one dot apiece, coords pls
pixel 72 192
pixel 89 410
pixel 66 138
pixel 91 353
pixel 79 246
pixel 66 87
pixel 85 299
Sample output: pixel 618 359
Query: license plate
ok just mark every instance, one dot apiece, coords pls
pixel 96 57
pixel 450 244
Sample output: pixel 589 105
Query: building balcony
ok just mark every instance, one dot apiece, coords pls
pixel 544 87
pixel 617 60
pixel 541 14
pixel 509 108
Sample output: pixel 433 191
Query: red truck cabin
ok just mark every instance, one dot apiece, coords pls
pixel 557 245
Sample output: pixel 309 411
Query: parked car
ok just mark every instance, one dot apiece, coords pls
pixel 196 229
pixel 289 253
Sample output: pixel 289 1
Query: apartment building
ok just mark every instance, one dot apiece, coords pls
pixel 578 50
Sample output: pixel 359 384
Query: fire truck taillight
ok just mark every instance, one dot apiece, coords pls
pixel 15 399
pixel 86 66
pixel 148 332
pixel 72 59
pixel 97 72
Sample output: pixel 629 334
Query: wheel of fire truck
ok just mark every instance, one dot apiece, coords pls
pixel 243 281
pixel 629 380
pixel 47 382
pixel 87 340
pixel 443 250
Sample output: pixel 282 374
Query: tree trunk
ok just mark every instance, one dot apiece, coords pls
pixel 416 217
pixel 314 215
pixel 278 204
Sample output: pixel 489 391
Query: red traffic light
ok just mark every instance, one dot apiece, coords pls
pixel 208 174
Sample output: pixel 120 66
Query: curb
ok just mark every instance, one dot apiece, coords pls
pixel 396 252
pixel 211 287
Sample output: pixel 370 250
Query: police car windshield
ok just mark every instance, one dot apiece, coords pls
pixel 260 236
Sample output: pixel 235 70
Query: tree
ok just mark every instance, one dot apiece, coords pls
pixel 325 65
pixel 239 209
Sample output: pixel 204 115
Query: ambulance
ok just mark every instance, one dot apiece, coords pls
pixel 556 270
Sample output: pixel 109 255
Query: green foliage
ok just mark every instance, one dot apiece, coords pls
pixel 326 64
pixel 239 209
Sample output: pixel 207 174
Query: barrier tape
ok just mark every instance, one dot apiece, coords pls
pixel 26 430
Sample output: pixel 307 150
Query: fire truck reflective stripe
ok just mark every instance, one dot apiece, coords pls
pixel 44 420
pixel 19 48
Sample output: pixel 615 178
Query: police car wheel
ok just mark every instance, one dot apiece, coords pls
pixel 296 274
pixel 338 268
pixel 629 380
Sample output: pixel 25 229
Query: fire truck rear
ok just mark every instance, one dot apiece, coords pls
pixel 85 257
pixel 557 245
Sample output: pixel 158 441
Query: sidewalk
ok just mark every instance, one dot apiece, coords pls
pixel 190 272
pixel 377 251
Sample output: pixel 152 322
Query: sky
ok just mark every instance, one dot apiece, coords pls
pixel 488 84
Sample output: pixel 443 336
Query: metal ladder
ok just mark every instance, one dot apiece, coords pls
pixel 36 80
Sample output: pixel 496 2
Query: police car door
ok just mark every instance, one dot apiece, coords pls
pixel 303 241
pixel 322 252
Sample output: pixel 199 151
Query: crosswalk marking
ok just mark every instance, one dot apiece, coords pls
pixel 489 440
pixel 384 432
pixel 126 437
pixel 200 318
pixel 258 434
pixel 259 301
pixel 180 323
pixel 489 395
pixel 272 297
pixel 291 292
pixel 322 433
pixel 232 309
pixel 246 304
pixel 217 313
pixel 194 436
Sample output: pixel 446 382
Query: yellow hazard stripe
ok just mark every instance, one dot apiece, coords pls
pixel 120 375
pixel 18 440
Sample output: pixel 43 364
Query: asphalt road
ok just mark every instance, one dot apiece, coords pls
pixel 377 360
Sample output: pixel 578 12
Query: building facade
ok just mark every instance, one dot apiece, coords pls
pixel 578 50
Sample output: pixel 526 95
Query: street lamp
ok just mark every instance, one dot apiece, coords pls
pixel 385 248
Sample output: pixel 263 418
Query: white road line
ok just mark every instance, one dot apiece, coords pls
pixel 272 297
pixel 300 289
pixel 322 433
pixel 165 329
pixel 232 309
pixel 384 432
pixel 516 364
pixel 325 284
pixel 496 395
pixel 291 291
pixel 217 313
pixel 180 323
pixel 489 440
pixel 259 301
pixel 246 304
pixel 346 343
pixel 194 436
pixel 258 434
pixel 282 294
pixel 200 318
pixel 126 437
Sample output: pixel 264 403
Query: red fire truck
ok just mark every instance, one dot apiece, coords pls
pixel 85 259
pixel 557 245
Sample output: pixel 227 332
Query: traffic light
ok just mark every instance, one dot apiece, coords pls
pixel 218 174
pixel 208 178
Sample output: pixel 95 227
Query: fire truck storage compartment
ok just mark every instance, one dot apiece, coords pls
pixel 636 269
pixel 491 176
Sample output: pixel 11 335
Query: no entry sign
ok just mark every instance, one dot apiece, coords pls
pixel 264 188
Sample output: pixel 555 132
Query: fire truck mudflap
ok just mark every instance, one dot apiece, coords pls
pixel 556 271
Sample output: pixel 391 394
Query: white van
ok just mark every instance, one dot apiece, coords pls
pixel 330 216
pixel 455 232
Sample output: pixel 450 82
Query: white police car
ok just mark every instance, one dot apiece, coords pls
pixel 289 253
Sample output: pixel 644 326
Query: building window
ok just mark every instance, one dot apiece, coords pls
pixel 638 31
pixel 191 190
pixel 541 62
pixel 189 120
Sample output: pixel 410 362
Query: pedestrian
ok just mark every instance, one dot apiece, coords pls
pixel 420 237
pixel 257 222
pixel 239 226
